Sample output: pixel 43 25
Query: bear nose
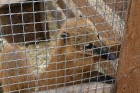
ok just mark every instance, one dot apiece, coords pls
pixel 110 56
pixel 104 52
pixel 88 46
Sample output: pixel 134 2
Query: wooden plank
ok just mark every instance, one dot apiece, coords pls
pixel 4 2
pixel 23 30
pixel 43 18
pixel 128 74
pixel 68 13
pixel 55 13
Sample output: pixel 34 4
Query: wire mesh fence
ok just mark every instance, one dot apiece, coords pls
pixel 60 46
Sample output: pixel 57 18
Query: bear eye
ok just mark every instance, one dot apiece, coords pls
pixel 88 46
pixel 65 35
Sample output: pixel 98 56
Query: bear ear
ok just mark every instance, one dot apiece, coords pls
pixel 65 35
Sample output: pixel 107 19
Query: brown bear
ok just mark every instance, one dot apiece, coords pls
pixel 71 61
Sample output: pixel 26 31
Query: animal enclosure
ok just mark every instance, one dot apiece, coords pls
pixel 60 46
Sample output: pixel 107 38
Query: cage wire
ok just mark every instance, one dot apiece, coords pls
pixel 60 46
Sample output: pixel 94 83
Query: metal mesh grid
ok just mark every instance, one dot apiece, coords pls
pixel 60 46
